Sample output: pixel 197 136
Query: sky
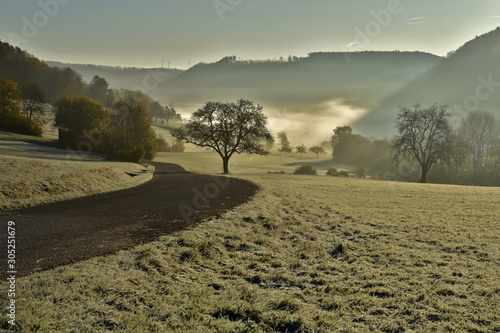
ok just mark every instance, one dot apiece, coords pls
pixel 131 33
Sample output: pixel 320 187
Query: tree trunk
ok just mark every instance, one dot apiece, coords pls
pixel 225 163
pixel 423 177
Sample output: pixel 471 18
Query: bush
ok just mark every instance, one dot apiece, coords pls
pixel 131 153
pixel 360 172
pixel 163 145
pixel 344 174
pixel 178 146
pixel 380 174
pixel 23 125
pixel 332 172
pixel 306 169
pixel 150 147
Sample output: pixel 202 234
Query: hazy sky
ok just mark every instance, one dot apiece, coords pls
pixel 141 33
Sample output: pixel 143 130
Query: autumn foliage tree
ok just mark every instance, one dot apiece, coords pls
pixel 11 118
pixel 79 117
pixel 227 128
pixel 129 135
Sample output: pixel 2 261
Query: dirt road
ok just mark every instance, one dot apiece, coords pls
pixel 60 233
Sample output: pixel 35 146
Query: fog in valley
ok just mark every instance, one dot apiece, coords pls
pixel 310 96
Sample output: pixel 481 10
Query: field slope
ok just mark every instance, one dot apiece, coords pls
pixel 307 254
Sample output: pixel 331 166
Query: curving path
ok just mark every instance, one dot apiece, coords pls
pixel 64 232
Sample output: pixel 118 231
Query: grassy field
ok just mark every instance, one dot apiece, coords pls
pixel 307 254
pixel 202 161
pixel 34 171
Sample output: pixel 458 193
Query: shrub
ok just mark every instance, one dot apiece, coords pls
pixel 332 172
pixel 163 145
pixel 344 173
pixel 306 169
pixel 23 125
pixel 178 146
pixel 130 153
pixel 380 174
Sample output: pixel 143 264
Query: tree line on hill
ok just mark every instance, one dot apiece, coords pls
pixel 20 66
pixel 122 129
pixel 91 117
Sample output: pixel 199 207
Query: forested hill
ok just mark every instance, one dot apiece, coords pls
pixel 467 80
pixel 298 84
pixel 21 67
pixel 360 79
pixel 121 77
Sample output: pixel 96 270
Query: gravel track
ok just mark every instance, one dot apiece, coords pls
pixel 60 233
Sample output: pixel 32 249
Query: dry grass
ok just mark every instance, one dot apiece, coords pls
pixel 308 254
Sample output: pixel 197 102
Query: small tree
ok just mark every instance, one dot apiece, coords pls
pixel 98 90
pixel 425 136
pixel 129 132
pixel 326 145
pixel 285 144
pixel 33 99
pixel 227 128
pixel 481 131
pixel 80 116
pixel 301 149
pixel 360 172
pixel 11 117
pixel 317 150
pixel 9 100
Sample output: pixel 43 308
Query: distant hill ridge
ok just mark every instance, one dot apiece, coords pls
pixel 120 77
pixel 467 80
pixel 323 84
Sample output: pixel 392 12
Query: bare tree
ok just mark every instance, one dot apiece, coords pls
pixel 33 99
pixel 424 136
pixel 481 131
pixel 227 128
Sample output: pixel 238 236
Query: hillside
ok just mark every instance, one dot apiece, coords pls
pixel 363 89
pixel 302 84
pixel 20 66
pixel 461 81
pixel 333 86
